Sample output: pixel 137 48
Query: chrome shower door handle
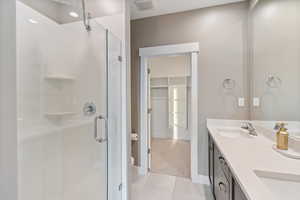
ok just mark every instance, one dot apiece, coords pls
pixel 100 139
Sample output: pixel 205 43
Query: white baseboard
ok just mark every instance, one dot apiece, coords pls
pixel 142 171
pixel 201 179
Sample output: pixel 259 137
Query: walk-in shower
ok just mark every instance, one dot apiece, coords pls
pixel 69 103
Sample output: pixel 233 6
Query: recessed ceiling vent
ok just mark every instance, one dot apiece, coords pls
pixel 144 4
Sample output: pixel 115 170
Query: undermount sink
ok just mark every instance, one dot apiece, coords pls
pixel 233 132
pixel 282 186
pixel 295 134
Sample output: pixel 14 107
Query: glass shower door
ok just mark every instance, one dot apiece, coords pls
pixel 86 146
pixel 69 109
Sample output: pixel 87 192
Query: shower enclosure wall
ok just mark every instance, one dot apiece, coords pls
pixel 67 77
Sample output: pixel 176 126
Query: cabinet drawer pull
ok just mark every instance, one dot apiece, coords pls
pixel 222 186
pixel 222 160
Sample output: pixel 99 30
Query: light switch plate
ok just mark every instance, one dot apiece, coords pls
pixel 256 102
pixel 241 102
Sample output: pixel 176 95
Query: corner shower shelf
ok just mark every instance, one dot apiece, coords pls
pixel 60 78
pixel 60 114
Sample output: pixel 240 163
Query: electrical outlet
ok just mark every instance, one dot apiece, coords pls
pixel 256 102
pixel 241 102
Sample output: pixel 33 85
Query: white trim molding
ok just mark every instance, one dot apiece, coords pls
pixel 201 179
pixel 143 118
pixel 185 48
pixel 142 171
pixel 191 49
pixel 194 118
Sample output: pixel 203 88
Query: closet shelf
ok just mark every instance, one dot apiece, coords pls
pixel 60 114
pixel 159 98
pixel 178 99
pixel 159 86
pixel 60 78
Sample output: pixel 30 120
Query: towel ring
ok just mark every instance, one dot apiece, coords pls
pixel 273 81
pixel 229 84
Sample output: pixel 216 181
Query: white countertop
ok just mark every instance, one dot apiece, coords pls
pixel 245 155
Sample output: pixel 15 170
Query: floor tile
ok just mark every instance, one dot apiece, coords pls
pixel 170 157
pixel 159 181
pixel 165 187
pixel 186 190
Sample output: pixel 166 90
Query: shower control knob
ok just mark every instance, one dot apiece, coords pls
pixel 89 109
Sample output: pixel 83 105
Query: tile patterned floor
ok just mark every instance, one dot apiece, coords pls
pixel 165 187
pixel 171 157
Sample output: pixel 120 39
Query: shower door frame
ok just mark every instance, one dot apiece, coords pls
pixel 191 49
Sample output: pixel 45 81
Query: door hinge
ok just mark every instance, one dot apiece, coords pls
pixel 120 186
pixel 120 58
pixel 149 70
pixel 149 151
pixel 149 110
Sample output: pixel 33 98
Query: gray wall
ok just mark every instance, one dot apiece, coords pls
pixel 8 127
pixel 276 50
pixel 222 34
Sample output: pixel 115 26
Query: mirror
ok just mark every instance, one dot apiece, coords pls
pixel 274 33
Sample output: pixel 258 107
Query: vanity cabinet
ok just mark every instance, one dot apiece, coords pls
pixel 237 192
pixel 211 161
pixel 222 179
pixel 223 184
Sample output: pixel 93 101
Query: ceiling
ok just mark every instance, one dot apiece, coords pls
pixel 162 7
pixel 59 10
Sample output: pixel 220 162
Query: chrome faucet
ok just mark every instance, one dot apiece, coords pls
pixel 249 127
pixel 279 125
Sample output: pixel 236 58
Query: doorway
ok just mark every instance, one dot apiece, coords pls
pixel 169 115
pixel 178 125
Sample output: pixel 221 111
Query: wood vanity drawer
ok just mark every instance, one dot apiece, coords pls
pixel 211 160
pixel 222 188
pixel 220 160
pixel 238 194
pixel 223 183
pixel 217 164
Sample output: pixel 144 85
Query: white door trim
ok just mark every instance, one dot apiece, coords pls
pixel 185 48
pixel 194 116
pixel 191 49
pixel 143 118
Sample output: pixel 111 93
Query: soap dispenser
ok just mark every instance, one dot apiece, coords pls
pixel 282 137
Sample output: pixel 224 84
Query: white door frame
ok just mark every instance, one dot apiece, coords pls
pixel 191 49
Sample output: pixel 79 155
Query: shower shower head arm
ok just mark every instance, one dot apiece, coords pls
pixel 86 18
